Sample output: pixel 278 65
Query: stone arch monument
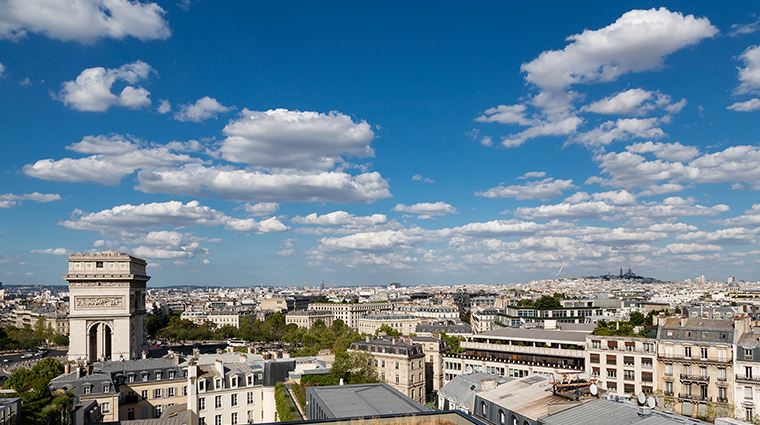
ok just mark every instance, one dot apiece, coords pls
pixel 106 306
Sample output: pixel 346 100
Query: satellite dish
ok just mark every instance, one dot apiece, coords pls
pixel 642 398
pixel 651 402
pixel 594 390
pixel 468 369
pixel 551 378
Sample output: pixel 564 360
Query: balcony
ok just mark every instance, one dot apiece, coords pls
pixel 694 397
pixel 709 360
pixel 748 379
pixel 695 378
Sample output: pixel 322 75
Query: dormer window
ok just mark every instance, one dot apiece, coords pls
pixel 159 375
pixel 202 385
pixel 145 377
pixel 87 389
pixel 171 374
pixel 131 378
pixel 218 384
pixel 106 388
pixel 233 381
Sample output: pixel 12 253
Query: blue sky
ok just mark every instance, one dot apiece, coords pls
pixel 239 143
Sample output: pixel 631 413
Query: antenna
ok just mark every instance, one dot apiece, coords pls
pixel 651 402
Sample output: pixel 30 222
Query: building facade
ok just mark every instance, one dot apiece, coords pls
pixel 306 318
pixel 107 298
pixel 404 323
pixel 350 313
pixel 398 362
pixel 624 365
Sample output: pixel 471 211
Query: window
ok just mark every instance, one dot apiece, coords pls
pixel 201 421
pixel 157 411
pixel 99 264
pixel 202 403
pixel 687 352
pixel 218 420
pixel 411 380
pixel 397 379
pixel 218 384
pixel 172 374
pixel 629 375
pixel 748 393
pixel 629 388
pixel 233 381
pixel 233 419
pixel 159 375
pixel 611 373
pixel 131 413
pixel 502 417
pixel 157 393
pixel 145 377
pixel 748 372
pixel 250 397
pixel 703 371
pixel 131 378
pixel 105 407
pixel 747 354
pixel 218 402
pixel 703 392
pixel 668 388
pixel 412 397
pixel 251 417
pixel 234 399
pixel 628 361
pixel 144 394
pixel 249 378
pixel 383 363
pixel 106 388
pixel 629 346
pixel 648 347
pixel 611 360
pixel 184 391
pixel 171 392
pixel 483 408
pixel 703 351
pixel 201 385
pixel 646 362
pixel 397 365
pixel 749 414
pixel 721 374
pixel 722 396
pixel 594 358
pixel 596 345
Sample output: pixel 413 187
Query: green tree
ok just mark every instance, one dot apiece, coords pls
pixel 547 302
pixel 453 342
pixel 638 319
pixel 355 367
pixel 388 331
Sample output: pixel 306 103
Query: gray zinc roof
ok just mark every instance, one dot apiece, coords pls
pixel 604 412
pixel 461 390
pixel 347 401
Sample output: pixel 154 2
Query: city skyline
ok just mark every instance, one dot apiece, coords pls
pixel 424 144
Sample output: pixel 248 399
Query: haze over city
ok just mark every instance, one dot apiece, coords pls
pixel 429 144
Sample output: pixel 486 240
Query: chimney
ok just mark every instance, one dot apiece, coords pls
pixel 145 356
pixel 251 350
pixel 67 368
pixel 230 349
pixel 176 358
pixel 368 338
pixel 219 367
pixel 488 384
pixel 396 340
pixel 90 368
pixel 436 335
pixel 408 340
pixel 80 371
pixel 243 358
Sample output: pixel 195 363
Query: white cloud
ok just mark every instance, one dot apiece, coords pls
pixel 634 102
pixel 382 241
pixel 667 151
pixel 259 186
pixel 187 251
pixel 292 139
pixel 750 218
pixel 427 209
pixel 533 175
pixel 91 91
pixel 622 197
pixel 638 41
pixel 203 109
pixel 115 157
pixel 206 261
pixel 83 21
pixel 749 76
pixel 164 106
pixel 286 249
pixel 172 213
pixel 744 29
pixel 25 82
pixel 747 106
pixel 562 127
pixel 593 209
pixel 261 208
pixel 10 200
pixel 682 248
pixel 661 189
pixel 505 114
pixel 340 218
pixel 418 177
pixel 622 236
pixel 734 235
pixel 544 189
pixel 52 251
pixel 621 129
pixel 2 71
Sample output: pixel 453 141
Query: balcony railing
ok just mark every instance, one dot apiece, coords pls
pixel 747 378
pixel 696 359
pixel 694 397
pixel 695 378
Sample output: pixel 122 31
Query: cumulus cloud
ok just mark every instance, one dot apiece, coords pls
pixel 172 213
pixel 260 186
pixel 750 218
pixel 261 208
pixel 621 129
pixel 293 139
pixel 427 209
pixel 2 71
pixel 506 114
pixel 667 151
pixel 592 209
pixel 638 41
pixel 164 106
pixel 533 175
pixel 341 218
pixel 91 91
pixel 115 156
pixel 622 236
pixel 544 189
pixel 749 76
pixel 730 236
pixel 381 241
pixel 634 102
pixel 83 21
pixel 52 251
pixel 691 248
pixel 203 109
pixel 10 200
pixel 746 106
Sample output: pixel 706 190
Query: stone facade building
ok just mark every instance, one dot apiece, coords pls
pixel 107 298
pixel 404 323
pixel 399 362
pixel 624 365
pixel 306 318
pixel 349 313
pixel 747 379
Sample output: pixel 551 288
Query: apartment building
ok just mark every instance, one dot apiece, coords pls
pixel 696 362
pixel 483 319
pixel 517 352
pixel 350 313
pixel 442 312
pixel 306 318
pixel 219 318
pixel 514 315
pixel 399 362
pixel 747 376
pixel 434 348
pixel 624 365
pixel 404 323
